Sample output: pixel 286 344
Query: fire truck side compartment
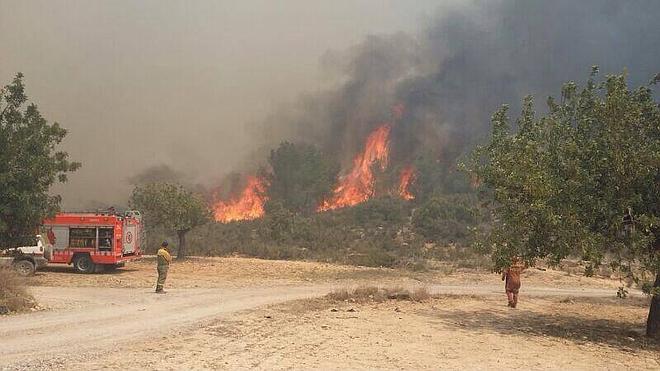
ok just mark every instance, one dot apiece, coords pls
pixel 106 239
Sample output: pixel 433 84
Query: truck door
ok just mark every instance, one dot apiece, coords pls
pixel 130 238
pixel 56 236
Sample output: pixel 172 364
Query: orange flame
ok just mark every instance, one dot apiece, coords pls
pixel 248 206
pixel 406 180
pixel 358 185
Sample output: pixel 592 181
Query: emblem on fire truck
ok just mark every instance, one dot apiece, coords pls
pixel 129 237
pixel 51 236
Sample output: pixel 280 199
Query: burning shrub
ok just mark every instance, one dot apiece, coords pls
pixel 248 205
pixel 13 295
pixel 357 186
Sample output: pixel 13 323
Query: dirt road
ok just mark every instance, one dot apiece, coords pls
pixel 112 316
pixel 218 315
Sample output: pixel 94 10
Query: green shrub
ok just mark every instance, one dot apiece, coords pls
pixel 446 219
pixel 377 233
pixel 370 256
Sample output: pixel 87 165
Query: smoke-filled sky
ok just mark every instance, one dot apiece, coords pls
pixel 202 86
pixel 142 83
pixel 472 57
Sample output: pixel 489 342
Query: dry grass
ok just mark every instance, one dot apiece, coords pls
pixel 365 294
pixel 13 295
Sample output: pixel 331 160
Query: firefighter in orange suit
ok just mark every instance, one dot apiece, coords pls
pixel 164 259
pixel 511 276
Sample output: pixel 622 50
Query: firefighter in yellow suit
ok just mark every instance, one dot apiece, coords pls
pixel 164 259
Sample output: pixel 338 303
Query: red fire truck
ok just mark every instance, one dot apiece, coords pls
pixel 92 241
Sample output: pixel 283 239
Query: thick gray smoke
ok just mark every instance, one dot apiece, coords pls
pixel 169 90
pixel 152 83
pixel 464 65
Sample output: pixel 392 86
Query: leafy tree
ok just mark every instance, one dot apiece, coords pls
pixel 171 207
pixel 564 183
pixel 301 176
pixel 29 165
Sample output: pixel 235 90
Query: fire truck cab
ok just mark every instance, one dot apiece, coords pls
pixel 93 241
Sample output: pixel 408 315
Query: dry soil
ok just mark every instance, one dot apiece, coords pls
pixel 235 313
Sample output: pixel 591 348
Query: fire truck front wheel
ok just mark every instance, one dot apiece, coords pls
pixel 83 264
pixel 24 267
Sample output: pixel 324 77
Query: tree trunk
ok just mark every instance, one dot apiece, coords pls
pixel 653 322
pixel 181 254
